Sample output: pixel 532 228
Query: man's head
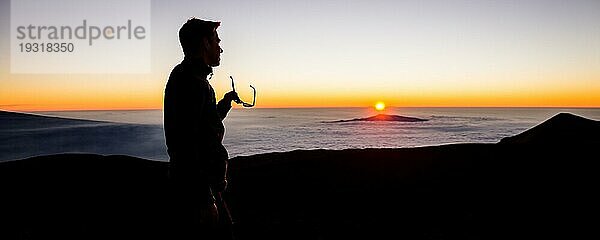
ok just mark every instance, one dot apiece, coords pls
pixel 199 40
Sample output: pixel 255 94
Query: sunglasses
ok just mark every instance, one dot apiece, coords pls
pixel 238 101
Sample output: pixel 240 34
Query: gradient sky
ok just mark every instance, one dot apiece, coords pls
pixel 353 53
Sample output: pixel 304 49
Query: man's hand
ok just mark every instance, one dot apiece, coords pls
pixel 231 96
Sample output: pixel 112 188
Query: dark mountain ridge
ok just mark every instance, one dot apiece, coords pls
pixel 524 189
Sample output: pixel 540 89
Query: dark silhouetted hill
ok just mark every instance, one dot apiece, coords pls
pixel 385 118
pixel 563 128
pixel 457 191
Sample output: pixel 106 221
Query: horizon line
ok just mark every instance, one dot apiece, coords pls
pixel 291 107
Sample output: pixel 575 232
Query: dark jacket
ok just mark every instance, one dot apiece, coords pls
pixel 193 126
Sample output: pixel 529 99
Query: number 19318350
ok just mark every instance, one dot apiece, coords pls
pixel 46 47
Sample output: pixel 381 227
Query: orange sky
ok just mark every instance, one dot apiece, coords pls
pixel 96 94
pixel 403 53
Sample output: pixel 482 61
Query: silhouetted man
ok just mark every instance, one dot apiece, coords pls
pixel 194 132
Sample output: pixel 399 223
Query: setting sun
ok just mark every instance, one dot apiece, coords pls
pixel 380 106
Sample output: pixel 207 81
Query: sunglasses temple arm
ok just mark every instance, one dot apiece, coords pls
pixel 254 98
pixel 232 84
